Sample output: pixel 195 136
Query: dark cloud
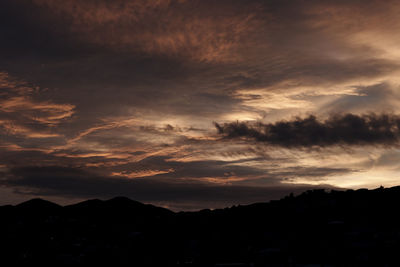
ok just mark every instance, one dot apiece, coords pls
pixel 31 33
pixel 347 129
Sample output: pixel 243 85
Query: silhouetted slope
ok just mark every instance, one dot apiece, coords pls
pixel 337 228
pixel 38 204
pixel 117 209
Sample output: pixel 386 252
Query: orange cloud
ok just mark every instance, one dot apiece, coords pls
pixel 15 147
pixel 13 128
pixel 23 115
pixel 140 174
pixel 42 112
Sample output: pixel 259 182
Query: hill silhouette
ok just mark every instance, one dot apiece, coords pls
pixel 38 204
pixel 335 228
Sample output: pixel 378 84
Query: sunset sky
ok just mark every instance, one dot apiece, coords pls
pixel 192 104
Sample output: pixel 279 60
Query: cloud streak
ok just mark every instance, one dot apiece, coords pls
pixel 21 114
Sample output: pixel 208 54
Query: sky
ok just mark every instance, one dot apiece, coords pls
pixel 192 104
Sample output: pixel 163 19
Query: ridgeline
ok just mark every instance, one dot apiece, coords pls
pixel 335 228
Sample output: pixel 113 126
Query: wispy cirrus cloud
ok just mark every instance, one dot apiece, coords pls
pixel 183 28
pixel 22 114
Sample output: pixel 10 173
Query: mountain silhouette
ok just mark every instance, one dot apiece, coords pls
pixel 325 228
pixel 38 204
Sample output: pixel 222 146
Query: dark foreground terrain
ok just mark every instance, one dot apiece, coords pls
pixel 316 228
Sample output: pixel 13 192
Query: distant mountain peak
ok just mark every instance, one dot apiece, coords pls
pixel 38 203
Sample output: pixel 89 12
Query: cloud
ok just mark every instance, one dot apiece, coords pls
pixel 170 28
pixel 102 50
pixel 21 114
pixel 381 97
pixel 346 129
pixel 128 89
